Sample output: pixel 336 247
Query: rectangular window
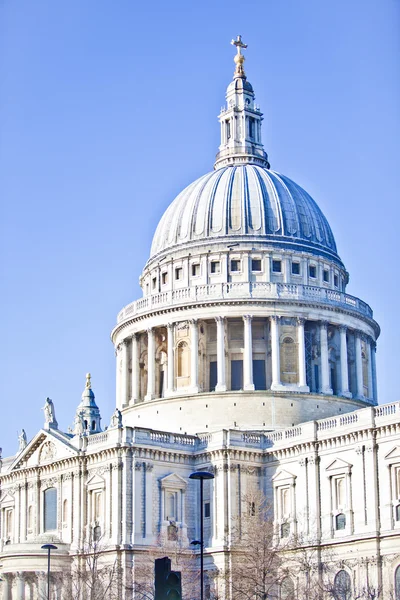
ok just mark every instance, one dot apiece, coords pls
pixel 251 127
pixel 336 281
pixel 259 375
pixel 236 375
pixel 154 282
pixel 295 268
pixel 277 266
pixel 206 510
pixel 195 270
pixel 50 509
pixel 164 278
pixel 326 275
pixel 213 375
pixel 215 266
pixel 312 271
pixel 178 273
pixel 228 130
pixel 256 264
pixel 235 265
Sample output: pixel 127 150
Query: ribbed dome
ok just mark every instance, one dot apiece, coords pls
pixel 245 202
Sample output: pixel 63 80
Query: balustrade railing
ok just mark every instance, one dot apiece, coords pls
pixel 245 290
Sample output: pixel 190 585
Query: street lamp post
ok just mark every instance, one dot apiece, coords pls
pixel 49 548
pixel 201 475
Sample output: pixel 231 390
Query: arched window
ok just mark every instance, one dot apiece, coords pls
pixel 285 504
pixel 340 521
pixel 97 505
pixel 50 509
pixel 397 583
pixel 287 589
pixel 65 511
pixel 93 425
pixel 289 361
pixel 398 512
pixel 340 492
pixel 343 586
pixel 183 360
pixel 9 523
pixel 96 533
pixel 170 514
pixel 30 518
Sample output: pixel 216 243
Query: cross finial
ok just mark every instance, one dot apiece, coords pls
pixel 239 58
pixel 88 381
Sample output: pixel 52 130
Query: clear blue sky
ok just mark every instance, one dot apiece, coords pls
pixel 108 109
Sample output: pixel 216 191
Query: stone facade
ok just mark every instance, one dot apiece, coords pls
pixel 245 357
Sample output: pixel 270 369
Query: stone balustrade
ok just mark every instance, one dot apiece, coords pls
pixel 244 291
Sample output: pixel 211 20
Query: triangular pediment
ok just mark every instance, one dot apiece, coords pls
pixel 96 482
pixel 339 465
pixel 6 499
pixel 46 447
pixel 173 481
pixel 283 475
pixel 394 453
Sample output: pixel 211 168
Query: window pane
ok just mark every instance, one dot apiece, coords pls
pixel 276 266
pixel 236 375
pixel 340 521
pixel 296 268
pixel 50 509
pixel 256 264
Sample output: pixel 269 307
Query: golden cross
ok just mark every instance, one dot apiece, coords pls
pixel 239 44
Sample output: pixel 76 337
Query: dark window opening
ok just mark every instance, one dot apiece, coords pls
pixel 93 425
pixel 236 375
pixel 96 533
pixel 256 264
pixel 285 530
pixel 326 276
pixel 86 424
pixel 215 266
pixel 398 512
pixel 195 270
pixel 206 510
pixel 235 265
pixel 340 521
pixel 259 378
pixel 252 124
pixel 228 129
pixel 154 281
pixel 178 273
pixel 164 278
pixel 295 268
pixel 213 375
pixel 336 281
pixel 277 266
pixel 312 271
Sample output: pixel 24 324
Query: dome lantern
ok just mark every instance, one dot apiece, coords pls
pixel 240 121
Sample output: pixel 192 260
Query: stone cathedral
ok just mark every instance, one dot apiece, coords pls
pixel 245 357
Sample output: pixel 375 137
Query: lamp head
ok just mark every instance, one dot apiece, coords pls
pixel 201 475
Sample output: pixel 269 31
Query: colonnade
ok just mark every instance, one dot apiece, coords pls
pixel 123 373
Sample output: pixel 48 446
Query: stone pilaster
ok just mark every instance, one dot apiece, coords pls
pixel 301 345
pixel 170 360
pixel 194 356
pixel 359 367
pixel 344 369
pixel 275 356
pixel 135 375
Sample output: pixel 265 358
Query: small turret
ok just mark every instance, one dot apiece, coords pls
pixel 87 416
pixel 240 121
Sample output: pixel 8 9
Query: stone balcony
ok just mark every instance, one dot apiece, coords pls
pixel 244 291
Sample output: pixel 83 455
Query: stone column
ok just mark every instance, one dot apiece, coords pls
pixel 194 356
pixel 221 378
pixel 118 375
pixel 170 360
pixel 135 369
pixel 373 364
pixel 124 375
pixel 325 388
pixel 151 357
pixel 6 586
pixel 275 357
pixel 248 383
pixel 42 584
pixel 344 369
pixel 359 369
pixel 302 383
pixel 20 580
pixel 370 375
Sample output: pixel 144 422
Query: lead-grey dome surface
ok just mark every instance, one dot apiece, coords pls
pixel 245 202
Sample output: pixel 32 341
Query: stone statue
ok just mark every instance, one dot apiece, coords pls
pixel 49 414
pixel 116 419
pixel 79 427
pixel 22 441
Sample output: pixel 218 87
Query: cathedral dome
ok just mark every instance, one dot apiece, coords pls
pixel 245 203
